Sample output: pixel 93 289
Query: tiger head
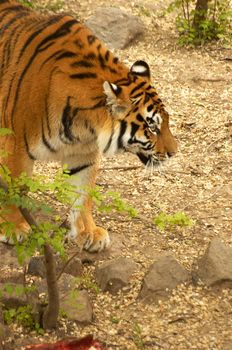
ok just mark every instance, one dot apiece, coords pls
pixel 144 122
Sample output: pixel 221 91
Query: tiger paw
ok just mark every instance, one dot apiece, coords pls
pixel 94 241
pixel 10 239
pixel 18 235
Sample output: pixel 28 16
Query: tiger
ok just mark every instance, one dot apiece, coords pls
pixel 67 98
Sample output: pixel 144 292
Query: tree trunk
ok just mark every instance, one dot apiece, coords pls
pixel 52 311
pixel 200 13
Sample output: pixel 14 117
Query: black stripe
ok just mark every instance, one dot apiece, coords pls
pixel 40 28
pixel 150 108
pixel 12 21
pixel 45 141
pixel 63 30
pixel 67 120
pixel 91 39
pixel 139 117
pixel 65 54
pixel 30 155
pixel 144 159
pixel 123 128
pixel 89 127
pixel 110 139
pixel 107 55
pixel 90 56
pixel 115 60
pixel 122 82
pixel 100 104
pixel 60 32
pixel 137 95
pixel 79 43
pixel 101 61
pixel 82 63
pixel 78 169
pixel 83 76
pixel 112 70
pixel 147 98
pixel 134 129
pixel 51 57
pixel 137 87
pixel 47 115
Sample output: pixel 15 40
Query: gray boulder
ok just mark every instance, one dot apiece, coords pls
pixel 215 267
pixel 115 274
pixel 115 27
pixel 76 306
pixel 163 276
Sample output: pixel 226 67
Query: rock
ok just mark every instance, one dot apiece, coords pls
pixel 12 276
pixel 12 295
pixel 74 268
pixel 164 275
pixel 65 283
pixel 8 256
pixel 115 274
pixel 36 267
pixel 76 306
pixel 215 267
pixel 115 27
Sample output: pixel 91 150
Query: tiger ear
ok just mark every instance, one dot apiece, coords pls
pixel 141 69
pixel 116 106
pixel 111 90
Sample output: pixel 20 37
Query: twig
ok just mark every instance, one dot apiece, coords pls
pixel 126 168
pixel 203 199
pixel 66 264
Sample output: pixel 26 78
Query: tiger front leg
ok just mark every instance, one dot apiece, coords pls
pixel 13 226
pixel 88 235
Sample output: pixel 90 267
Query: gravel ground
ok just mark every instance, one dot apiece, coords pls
pixel 196 88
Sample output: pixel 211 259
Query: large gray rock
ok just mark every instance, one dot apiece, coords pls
pixel 215 267
pixel 164 275
pixel 115 27
pixel 115 274
pixel 76 306
pixel 36 266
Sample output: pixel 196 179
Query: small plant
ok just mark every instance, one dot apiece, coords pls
pixel 55 5
pixel 28 3
pixel 111 201
pixel 200 21
pixel 23 316
pixel 166 221
pixel 137 336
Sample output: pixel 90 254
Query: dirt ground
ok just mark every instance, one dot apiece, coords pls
pixel 196 86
